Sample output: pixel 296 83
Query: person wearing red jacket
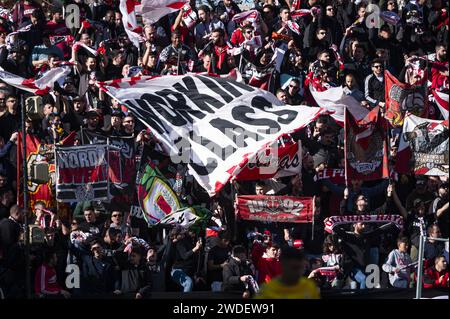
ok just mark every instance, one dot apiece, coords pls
pixel 45 282
pixel 269 265
pixel 437 276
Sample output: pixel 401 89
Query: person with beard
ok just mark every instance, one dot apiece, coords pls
pixel 374 85
pixel 308 174
pixel 153 42
pixel 439 68
pixel 206 26
pixel 115 128
pixel 115 65
pixel 218 52
pixel 91 128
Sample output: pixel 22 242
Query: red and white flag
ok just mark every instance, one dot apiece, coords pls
pixel 153 10
pixel 251 16
pixel 294 27
pixel 335 100
pixel 39 86
pixel 281 209
pixel 11 37
pixel 441 100
pixel 300 13
pixel 189 16
pixel 366 147
pixel 79 44
pixel 128 9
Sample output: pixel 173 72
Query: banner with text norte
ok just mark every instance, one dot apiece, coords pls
pixel 214 125
pixel 281 209
pixel 82 173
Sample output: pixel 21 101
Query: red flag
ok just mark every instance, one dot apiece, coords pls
pixel 441 100
pixel 281 209
pixel 401 98
pixel 35 152
pixel 365 147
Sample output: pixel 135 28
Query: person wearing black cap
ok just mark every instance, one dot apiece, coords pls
pixel 116 123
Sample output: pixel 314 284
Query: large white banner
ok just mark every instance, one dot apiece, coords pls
pixel 212 124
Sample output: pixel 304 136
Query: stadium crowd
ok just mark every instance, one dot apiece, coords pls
pixel 331 44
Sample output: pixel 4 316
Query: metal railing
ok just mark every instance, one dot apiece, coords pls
pixel 423 239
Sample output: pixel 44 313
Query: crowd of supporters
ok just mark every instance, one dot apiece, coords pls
pixel 117 254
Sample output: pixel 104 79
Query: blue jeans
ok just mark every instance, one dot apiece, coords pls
pixel 180 277
pixel 374 255
pixel 360 277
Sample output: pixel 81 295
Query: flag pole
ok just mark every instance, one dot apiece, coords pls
pixel 25 200
pixel 345 147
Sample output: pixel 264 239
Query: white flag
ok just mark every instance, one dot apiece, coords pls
pixel 128 10
pixel 153 10
pixel 335 100
pixel 38 86
pixel 212 124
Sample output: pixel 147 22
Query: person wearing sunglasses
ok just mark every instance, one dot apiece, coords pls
pixel 293 92
pixel 374 84
pixel 118 222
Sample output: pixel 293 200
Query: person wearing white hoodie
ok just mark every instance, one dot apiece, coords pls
pixel 398 264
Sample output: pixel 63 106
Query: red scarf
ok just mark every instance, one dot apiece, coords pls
pixel 221 53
